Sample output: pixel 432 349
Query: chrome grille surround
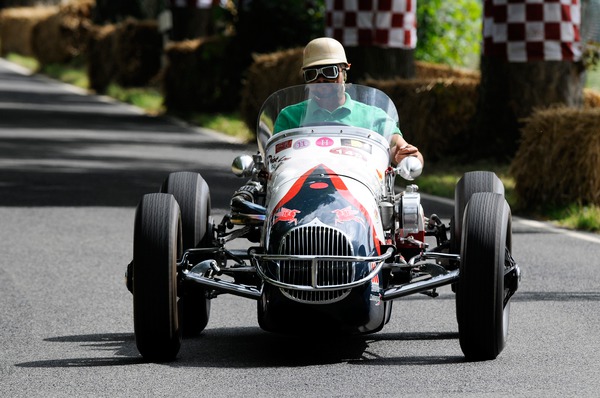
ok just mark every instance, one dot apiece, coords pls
pixel 316 239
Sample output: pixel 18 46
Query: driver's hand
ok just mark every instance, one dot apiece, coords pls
pixel 401 152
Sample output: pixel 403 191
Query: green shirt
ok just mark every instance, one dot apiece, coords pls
pixel 352 113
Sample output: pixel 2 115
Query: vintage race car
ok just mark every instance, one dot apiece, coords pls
pixel 330 243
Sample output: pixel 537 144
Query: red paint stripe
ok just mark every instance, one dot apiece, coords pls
pixel 343 190
pixel 295 188
pixel 340 187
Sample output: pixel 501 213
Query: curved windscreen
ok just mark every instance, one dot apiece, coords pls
pixel 327 104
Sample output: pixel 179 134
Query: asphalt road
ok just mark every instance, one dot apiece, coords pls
pixel 72 169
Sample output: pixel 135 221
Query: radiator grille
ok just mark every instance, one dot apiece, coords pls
pixel 321 241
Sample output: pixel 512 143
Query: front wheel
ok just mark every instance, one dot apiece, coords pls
pixel 156 248
pixel 481 311
pixel 193 196
pixel 470 183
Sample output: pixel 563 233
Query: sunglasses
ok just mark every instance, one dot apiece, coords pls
pixel 329 72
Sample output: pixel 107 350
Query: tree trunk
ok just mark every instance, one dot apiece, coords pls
pixel 111 11
pixel 191 23
pixel 510 91
pixel 380 63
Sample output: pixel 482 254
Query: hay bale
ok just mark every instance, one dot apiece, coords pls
pixel 16 27
pixel 81 9
pixel 100 58
pixel 194 78
pixel 267 74
pixel 591 98
pixel 128 53
pixel 137 52
pixel 435 114
pixel 63 35
pixel 428 70
pixel 558 160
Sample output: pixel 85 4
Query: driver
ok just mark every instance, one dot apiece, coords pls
pixel 325 61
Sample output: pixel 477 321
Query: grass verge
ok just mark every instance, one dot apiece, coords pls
pixel 440 179
pixel 26 62
pixel 230 124
pixel 73 73
pixel 578 217
pixel 150 99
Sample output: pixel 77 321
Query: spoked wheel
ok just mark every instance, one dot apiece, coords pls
pixel 193 196
pixel 156 247
pixel 480 295
pixel 470 183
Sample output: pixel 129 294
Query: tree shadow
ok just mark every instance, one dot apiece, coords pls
pixel 61 148
pixel 111 170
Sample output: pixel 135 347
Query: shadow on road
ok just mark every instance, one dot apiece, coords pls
pixel 40 166
pixel 61 148
pixel 122 343
pixel 248 348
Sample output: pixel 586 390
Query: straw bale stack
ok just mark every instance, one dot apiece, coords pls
pixel 435 114
pixel 128 53
pixel 78 8
pixel 137 52
pixel 591 98
pixel 16 27
pixel 267 74
pixel 101 65
pixel 558 161
pixel 194 78
pixel 63 35
pixel 428 70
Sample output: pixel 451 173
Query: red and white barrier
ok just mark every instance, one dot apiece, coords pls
pixel 383 23
pixel 532 30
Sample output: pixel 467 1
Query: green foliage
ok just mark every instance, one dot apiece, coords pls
pixel 593 79
pixel 449 32
pixel 591 55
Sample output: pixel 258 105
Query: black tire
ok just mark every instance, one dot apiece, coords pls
pixel 156 247
pixel 480 291
pixel 470 183
pixel 193 196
